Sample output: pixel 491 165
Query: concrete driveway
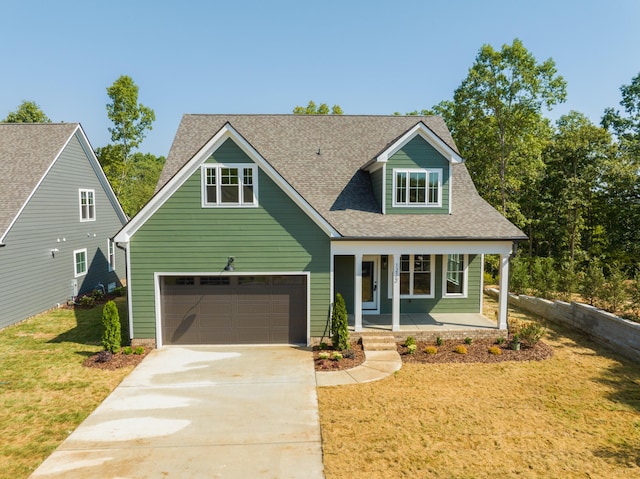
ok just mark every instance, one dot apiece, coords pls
pixel 202 412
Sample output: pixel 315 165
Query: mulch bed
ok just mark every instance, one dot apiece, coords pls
pixel 117 361
pixel 347 362
pixel 477 352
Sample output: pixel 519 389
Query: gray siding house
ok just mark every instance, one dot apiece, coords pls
pixel 57 217
pixel 258 220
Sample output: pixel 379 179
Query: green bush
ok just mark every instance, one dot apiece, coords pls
pixel 111 336
pixel 468 340
pixel 500 340
pixel 127 350
pixel 519 280
pixel 339 324
pixel 97 295
pixel 439 341
pixel 336 356
pixel 410 341
pixel 323 355
pixel 139 350
pixel 87 301
pixel 411 348
pixel 531 333
pixel 544 277
pixel 615 289
pixel 592 284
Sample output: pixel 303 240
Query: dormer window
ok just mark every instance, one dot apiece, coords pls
pixel 417 187
pixel 229 185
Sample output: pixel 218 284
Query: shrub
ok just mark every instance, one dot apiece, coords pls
pixel 531 333
pixel 103 357
pixel 519 280
pixel 348 354
pixel 495 350
pixel 111 336
pixel 489 279
pixel 411 348
pixel 127 350
pixel 323 355
pixel 323 346
pixel 336 356
pixel 339 324
pixel 460 349
pixel 592 284
pixel 439 341
pixel 87 301
pixel 120 291
pixel 500 340
pixel 544 277
pixel 431 350
pixel 410 341
pixel 615 289
pixel 97 295
pixel 468 340
pixel 139 350
pixel 568 281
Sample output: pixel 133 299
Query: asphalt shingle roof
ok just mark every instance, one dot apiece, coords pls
pixel 26 152
pixel 333 182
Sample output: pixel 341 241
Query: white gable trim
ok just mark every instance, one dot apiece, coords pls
pixel 226 132
pixel 418 130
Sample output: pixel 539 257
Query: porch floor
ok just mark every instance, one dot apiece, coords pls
pixel 423 322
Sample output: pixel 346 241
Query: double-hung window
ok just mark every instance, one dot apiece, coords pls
pixel 111 250
pixel 455 275
pixel 417 187
pixel 87 205
pixel 233 185
pixel 80 262
pixel 416 275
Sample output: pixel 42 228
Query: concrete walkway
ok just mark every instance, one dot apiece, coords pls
pixel 381 360
pixel 214 412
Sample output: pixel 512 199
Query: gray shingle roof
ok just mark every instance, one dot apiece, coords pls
pixel 26 152
pixel 334 184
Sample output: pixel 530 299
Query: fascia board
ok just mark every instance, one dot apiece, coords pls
pixel 430 137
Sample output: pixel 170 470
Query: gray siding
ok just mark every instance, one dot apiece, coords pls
pixel 417 154
pixel 31 280
pixel 182 236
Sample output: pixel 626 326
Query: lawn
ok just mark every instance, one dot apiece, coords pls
pixel 45 392
pixel 576 415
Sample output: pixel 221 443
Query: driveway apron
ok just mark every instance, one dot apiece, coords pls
pixel 202 412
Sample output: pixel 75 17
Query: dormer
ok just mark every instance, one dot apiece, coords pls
pixel 414 174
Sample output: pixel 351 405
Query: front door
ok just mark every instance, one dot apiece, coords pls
pixel 370 283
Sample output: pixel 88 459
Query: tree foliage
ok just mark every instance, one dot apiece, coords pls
pixel 111 336
pixel 313 109
pixel 27 112
pixel 496 120
pixel 131 120
pixel 339 324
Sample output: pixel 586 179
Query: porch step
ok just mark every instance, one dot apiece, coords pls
pixel 379 343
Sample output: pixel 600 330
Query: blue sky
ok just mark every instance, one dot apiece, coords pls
pixel 234 56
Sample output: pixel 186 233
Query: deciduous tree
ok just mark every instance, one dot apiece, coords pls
pixel 27 112
pixel 312 109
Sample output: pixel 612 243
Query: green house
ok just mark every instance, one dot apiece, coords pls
pixel 259 220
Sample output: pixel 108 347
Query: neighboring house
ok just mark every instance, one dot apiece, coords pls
pixel 259 220
pixel 57 217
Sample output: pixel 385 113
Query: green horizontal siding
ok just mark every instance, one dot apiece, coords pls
pixel 418 153
pixel 182 236
pixel 438 304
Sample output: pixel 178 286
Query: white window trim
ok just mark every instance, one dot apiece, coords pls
pixel 427 172
pixel 218 167
pixel 93 194
pixel 75 262
pixel 465 279
pixel 111 255
pixel 411 272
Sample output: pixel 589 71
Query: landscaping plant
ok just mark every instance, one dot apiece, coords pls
pixel 112 336
pixel 339 324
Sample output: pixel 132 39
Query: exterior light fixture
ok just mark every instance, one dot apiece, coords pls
pixel 229 266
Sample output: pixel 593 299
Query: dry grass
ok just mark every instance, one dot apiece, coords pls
pixel 576 415
pixel 44 390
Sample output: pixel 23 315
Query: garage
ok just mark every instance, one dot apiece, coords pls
pixel 250 309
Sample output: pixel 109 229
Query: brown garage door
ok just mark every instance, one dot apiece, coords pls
pixel 234 309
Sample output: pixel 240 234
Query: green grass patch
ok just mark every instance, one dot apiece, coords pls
pixel 45 392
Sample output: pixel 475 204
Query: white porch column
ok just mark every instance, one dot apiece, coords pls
pixel 504 291
pixel 395 295
pixel 357 307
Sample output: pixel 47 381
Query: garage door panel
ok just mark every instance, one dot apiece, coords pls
pixel 255 313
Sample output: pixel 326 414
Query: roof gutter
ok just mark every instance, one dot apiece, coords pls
pixel 441 238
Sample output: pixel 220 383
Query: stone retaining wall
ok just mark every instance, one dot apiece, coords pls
pixel 618 334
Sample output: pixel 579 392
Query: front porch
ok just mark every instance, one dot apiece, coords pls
pixel 428 326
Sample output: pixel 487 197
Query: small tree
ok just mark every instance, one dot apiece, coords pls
pixel 339 324
pixel 615 289
pixel 520 281
pixel 592 284
pixel 111 337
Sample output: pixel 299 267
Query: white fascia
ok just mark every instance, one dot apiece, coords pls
pixel 426 134
pixel 226 132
